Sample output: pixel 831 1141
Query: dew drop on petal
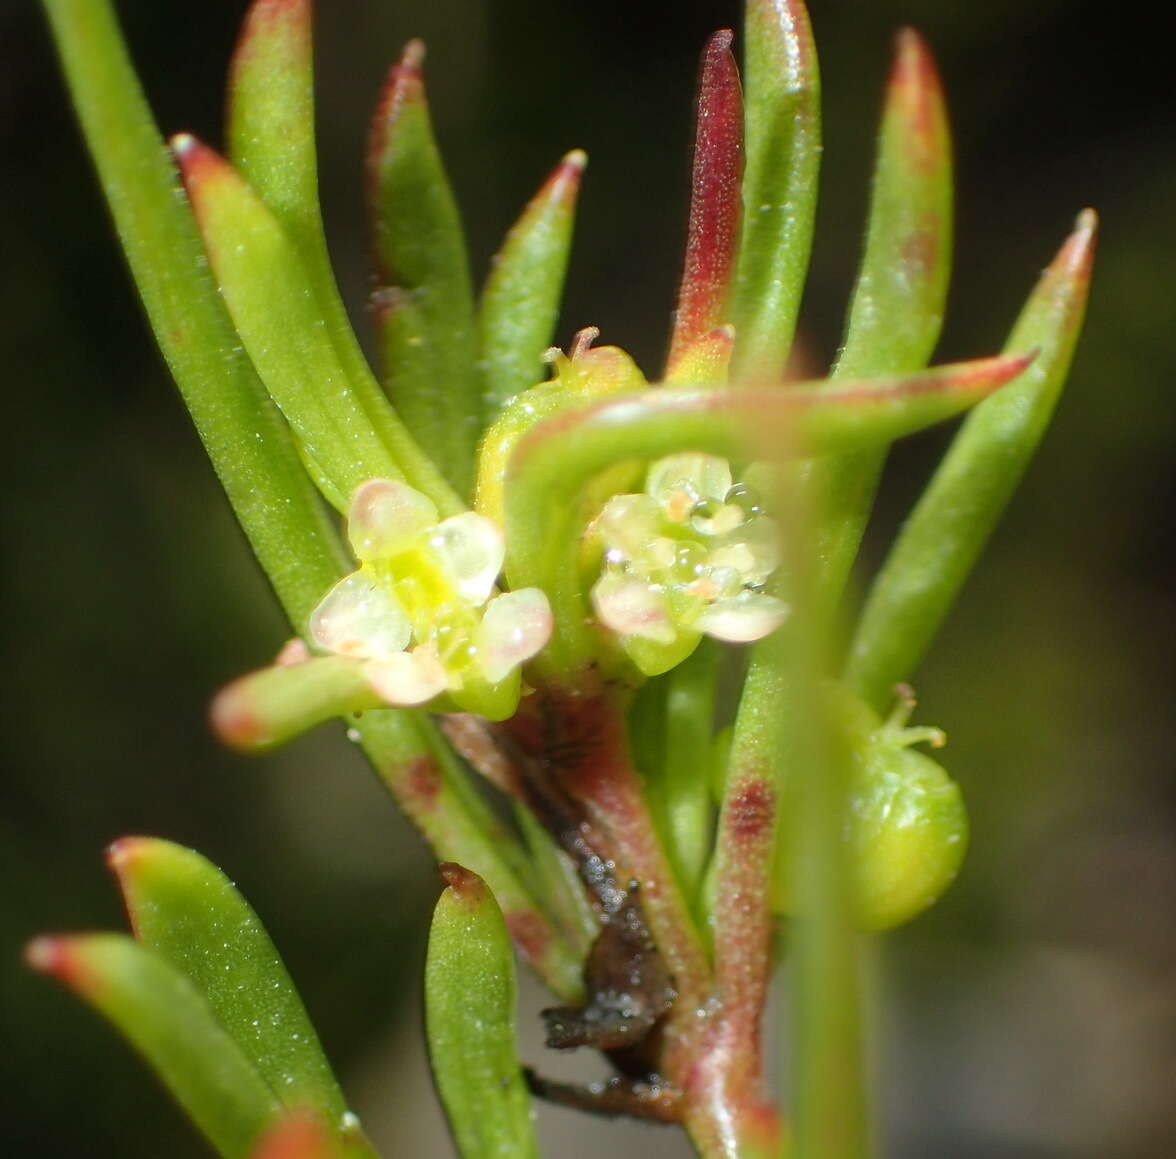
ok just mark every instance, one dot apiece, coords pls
pixel 359 617
pixel 630 607
pixel 386 516
pixel 470 548
pixel 515 627
pixel 742 618
pixel 627 522
pixel 705 476
pixel 407 678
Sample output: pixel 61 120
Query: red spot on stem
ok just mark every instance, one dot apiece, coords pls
pixel 751 811
pixel 422 783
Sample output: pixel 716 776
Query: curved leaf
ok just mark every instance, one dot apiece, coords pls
pixel 470 1022
pixel 161 1013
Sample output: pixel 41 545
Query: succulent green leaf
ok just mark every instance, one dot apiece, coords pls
pixel 184 908
pixel 268 707
pixel 161 1013
pixel 713 234
pixel 470 1022
pixel 898 302
pixel 682 791
pixel 420 251
pixel 270 298
pixel 520 300
pixel 562 453
pixel 246 439
pixel 950 524
pixel 271 144
pixel 783 136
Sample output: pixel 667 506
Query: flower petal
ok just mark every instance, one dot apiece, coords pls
pixel 407 678
pixel 515 627
pixel 385 516
pixel 359 617
pixel 627 523
pixel 630 607
pixel 470 548
pixel 742 618
pixel 706 476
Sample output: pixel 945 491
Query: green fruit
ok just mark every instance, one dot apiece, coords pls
pixel 909 830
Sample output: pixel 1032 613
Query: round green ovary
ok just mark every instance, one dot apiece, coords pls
pixel 909 832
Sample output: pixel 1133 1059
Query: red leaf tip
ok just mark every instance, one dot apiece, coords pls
pixel 122 853
pixel 464 882
pixel 234 720
pixel 720 41
pixel 47 955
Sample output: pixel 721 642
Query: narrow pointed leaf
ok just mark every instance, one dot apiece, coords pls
pixel 470 1023
pixel 563 452
pixel 898 302
pixel 271 144
pixel 244 435
pixel 420 250
pixel 185 909
pixel 783 143
pixel 520 301
pixel 949 526
pixel 713 232
pixel 268 707
pixel 270 298
pixel 681 792
pixel 159 1011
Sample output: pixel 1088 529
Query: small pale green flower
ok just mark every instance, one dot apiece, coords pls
pixel 688 557
pixel 421 611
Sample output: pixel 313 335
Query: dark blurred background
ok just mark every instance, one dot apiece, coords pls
pixel 1032 1015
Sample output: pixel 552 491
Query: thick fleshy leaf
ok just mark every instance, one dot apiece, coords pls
pixel 470 1022
pixel 271 144
pixel 273 705
pixel 185 909
pixel 269 295
pixel 520 301
pixel 428 338
pixel 783 144
pixel 245 437
pixel 161 1013
pixel 949 526
pixel 713 233
pixel 562 453
pixel 898 302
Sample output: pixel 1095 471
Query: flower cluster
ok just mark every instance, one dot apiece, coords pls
pixel 688 557
pixel 420 612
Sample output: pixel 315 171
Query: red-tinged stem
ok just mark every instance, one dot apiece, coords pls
pixel 712 239
pixel 580 741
